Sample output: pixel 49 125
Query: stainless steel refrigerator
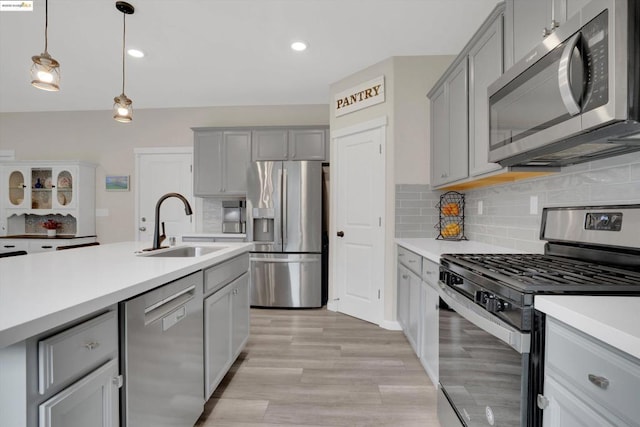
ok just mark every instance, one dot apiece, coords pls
pixel 284 221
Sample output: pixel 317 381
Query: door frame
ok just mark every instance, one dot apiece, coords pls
pixel 138 153
pixel 334 289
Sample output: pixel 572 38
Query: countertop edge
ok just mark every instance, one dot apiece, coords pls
pixel 582 313
pixel 17 333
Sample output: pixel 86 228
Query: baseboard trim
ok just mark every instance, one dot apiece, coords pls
pixel 332 306
pixel 391 325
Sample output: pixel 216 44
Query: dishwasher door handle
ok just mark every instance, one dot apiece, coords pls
pixel 166 306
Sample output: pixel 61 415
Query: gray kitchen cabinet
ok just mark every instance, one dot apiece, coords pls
pixel 409 295
pixel 91 401
pixel 239 315
pixel 221 158
pixel 289 144
pixel 587 382
pixel 226 318
pixel 269 144
pixel 449 126
pixel 485 66
pixel 307 144
pixel 533 20
pixel 429 319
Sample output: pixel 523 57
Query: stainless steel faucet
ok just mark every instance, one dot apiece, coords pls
pixel 157 238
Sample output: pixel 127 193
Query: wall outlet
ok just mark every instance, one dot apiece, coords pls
pixel 533 205
pixel 480 207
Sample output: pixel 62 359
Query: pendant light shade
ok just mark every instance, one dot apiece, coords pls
pixel 122 105
pixel 45 71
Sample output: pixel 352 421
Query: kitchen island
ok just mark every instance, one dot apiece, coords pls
pixel 49 300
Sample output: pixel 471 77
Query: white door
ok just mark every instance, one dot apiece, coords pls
pixel 358 235
pixel 160 171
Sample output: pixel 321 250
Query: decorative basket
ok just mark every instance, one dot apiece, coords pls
pixel 451 216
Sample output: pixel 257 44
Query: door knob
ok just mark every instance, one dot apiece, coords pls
pixel 340 233
pixel 142 228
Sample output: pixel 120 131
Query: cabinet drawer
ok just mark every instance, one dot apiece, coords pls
pixel 430 272
pixel 588 365
pixel 76 351
pixel 219 275
pixel 12 245
pixel 412 260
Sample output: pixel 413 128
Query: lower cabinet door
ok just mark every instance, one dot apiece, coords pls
pixel 217 343
pixel 429 342
pixel 567 409
pixel 240 314
pixel 91 401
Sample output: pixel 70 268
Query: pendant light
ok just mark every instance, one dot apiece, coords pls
pixel 122 107
pixel 45 71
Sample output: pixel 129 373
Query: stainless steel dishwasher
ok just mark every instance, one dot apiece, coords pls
pixel 162 355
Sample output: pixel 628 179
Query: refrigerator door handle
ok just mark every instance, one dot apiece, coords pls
pixel 285 207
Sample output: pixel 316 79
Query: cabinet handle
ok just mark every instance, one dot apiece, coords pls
pixel 46 247
pixel 9 246
pixel 599 381
pixel 404 276
pixel 92 345
pixel 412 261
pixel 142 228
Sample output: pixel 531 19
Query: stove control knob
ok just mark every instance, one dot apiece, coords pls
pixel 494 305
pixel 455 280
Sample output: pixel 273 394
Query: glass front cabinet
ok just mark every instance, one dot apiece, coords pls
pixel 36 191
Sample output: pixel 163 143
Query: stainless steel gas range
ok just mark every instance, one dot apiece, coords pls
pixel 491 337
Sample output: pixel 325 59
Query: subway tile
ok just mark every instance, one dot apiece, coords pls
pixel 407 211
pixel 628 193
pixel 608 175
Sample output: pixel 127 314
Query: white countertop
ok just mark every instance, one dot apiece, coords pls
pixel 44 290
pixel 432 248
pixel 613 320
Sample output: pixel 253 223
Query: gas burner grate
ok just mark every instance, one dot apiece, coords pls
pixel 534 270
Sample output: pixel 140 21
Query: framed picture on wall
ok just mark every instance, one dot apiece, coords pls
pixel 116 183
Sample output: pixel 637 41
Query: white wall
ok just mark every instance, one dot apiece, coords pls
pixel 94 136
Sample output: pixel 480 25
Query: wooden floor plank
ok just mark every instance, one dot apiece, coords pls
pixel 317 368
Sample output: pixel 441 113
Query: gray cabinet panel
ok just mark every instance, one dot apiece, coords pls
pixel 485 66
pixel 439 138
pixel 92 401
pixel 207 160
pixel 307 144
pixel 458 124
pixel 269 144
pixel 532 18
pixel 240 314
pixel 217 330
pixel 221 158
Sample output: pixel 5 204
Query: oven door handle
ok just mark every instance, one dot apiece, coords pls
pixel 520 342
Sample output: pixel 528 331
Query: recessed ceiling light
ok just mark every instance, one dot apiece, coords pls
pixel 298 46
pixel 135 53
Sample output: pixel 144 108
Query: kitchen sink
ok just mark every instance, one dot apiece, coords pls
pixel 184 251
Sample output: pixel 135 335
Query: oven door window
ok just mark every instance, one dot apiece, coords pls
pixel 483 378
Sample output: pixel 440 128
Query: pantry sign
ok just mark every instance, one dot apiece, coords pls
pixel 362 96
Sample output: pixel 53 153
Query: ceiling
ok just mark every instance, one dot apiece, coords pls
pixel 219 52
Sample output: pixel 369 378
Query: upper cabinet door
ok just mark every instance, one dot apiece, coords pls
pixel 439 138
pixel 207 160
pixel 307 144
pixel 221 158
pixel 458 124
pixel 534 20
pixel 485 66
pixel 235 147
pixel 269 144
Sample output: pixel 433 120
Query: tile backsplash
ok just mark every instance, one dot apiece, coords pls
pixel 511 213
pixel 416 212
pixel 211 215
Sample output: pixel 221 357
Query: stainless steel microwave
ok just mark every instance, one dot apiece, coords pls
pixel 576 96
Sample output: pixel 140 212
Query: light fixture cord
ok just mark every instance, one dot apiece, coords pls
pixel 124 33
pixel 46 23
